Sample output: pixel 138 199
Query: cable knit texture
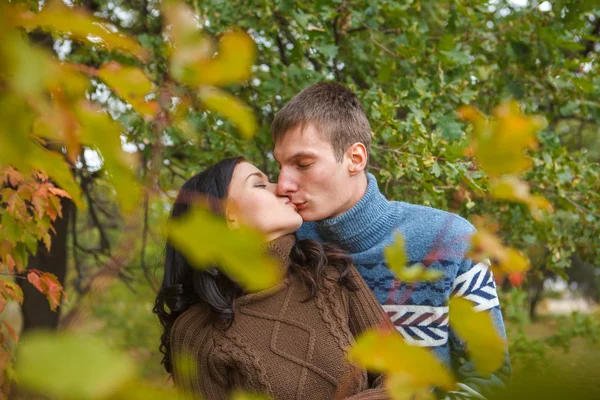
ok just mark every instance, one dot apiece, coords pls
pixel 419 311
pixel 279 344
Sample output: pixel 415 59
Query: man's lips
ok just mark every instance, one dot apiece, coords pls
pixel 300 206
pixel 289 203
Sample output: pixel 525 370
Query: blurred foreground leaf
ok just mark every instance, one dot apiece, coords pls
pixel 485 347
pixel 499 143
pixel 512 188
pixel 132 85
pixel 79 24
pixel 387 352
pixel 395 255
pixel 230 107
pixel 67 366
pixel 205 239
pixel 487 246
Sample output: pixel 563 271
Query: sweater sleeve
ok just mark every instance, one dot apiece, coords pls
pixel 192 346
pixel 366 313
pixel 364 310
pixel 476 283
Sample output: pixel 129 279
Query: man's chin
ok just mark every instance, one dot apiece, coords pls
pixel 310 216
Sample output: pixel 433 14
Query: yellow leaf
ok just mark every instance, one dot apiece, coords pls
pixel 511 188
pixel 386 352
pixel 99 130
pixel 230 107
pixel 485 245
pixel 233 63
pixel 192 52
pixel 80 25
pixel 400 389
pixel 205 238
pixel 499 143
pixel 485 347
pixel 395 256
pixel 132 85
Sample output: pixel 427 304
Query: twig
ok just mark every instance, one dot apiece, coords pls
pixel 147 275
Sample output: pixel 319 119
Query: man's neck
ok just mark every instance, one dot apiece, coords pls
pixel 361 185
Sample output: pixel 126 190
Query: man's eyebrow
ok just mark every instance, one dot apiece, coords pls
pixel 302 154
pixel 259 174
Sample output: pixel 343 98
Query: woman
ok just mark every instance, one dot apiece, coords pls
pixel 288 341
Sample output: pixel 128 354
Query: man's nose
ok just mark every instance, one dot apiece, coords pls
pixel 286 185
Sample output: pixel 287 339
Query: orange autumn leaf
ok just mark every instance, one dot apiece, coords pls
pixel 48 285
pixel 485 245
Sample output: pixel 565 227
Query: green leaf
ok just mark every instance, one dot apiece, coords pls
pixel 206 239
pixel 68 366
pixel 230 107
pixel 447 42
pixel 99 130
pixel 484 345
pixel 329 50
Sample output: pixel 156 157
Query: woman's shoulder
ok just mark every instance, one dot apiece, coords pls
pixel 192 322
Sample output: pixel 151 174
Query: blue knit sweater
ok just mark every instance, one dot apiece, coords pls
pixel 419 311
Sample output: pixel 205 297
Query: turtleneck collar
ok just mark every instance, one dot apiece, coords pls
pixel 362 226
pixel 281 248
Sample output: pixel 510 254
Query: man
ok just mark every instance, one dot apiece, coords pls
pixel 322 139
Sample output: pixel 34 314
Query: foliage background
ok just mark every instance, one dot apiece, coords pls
pixel 413 64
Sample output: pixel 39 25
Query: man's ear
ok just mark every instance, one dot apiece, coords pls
pixel 357 156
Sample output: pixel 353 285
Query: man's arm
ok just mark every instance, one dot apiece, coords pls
pixel 475 282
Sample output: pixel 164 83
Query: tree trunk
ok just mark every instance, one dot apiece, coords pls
pixel 36 310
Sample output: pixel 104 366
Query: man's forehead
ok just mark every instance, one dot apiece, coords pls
pixel 301 141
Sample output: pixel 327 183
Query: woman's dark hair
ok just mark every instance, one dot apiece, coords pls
pixel 184 286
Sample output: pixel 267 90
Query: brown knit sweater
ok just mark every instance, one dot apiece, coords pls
pixel 279 345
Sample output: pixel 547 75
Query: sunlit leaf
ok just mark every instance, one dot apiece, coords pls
pixel 486 348
pixel 499 143
pixel 79 24
pixel 233 63
pixel 395 255
pixel 512 188
pixel 68 366
pixel 400 388
pixel 204 239
pixel 193 61
pixel 231 108
pixel 132 85
pixel 487 246
pixel 387 352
